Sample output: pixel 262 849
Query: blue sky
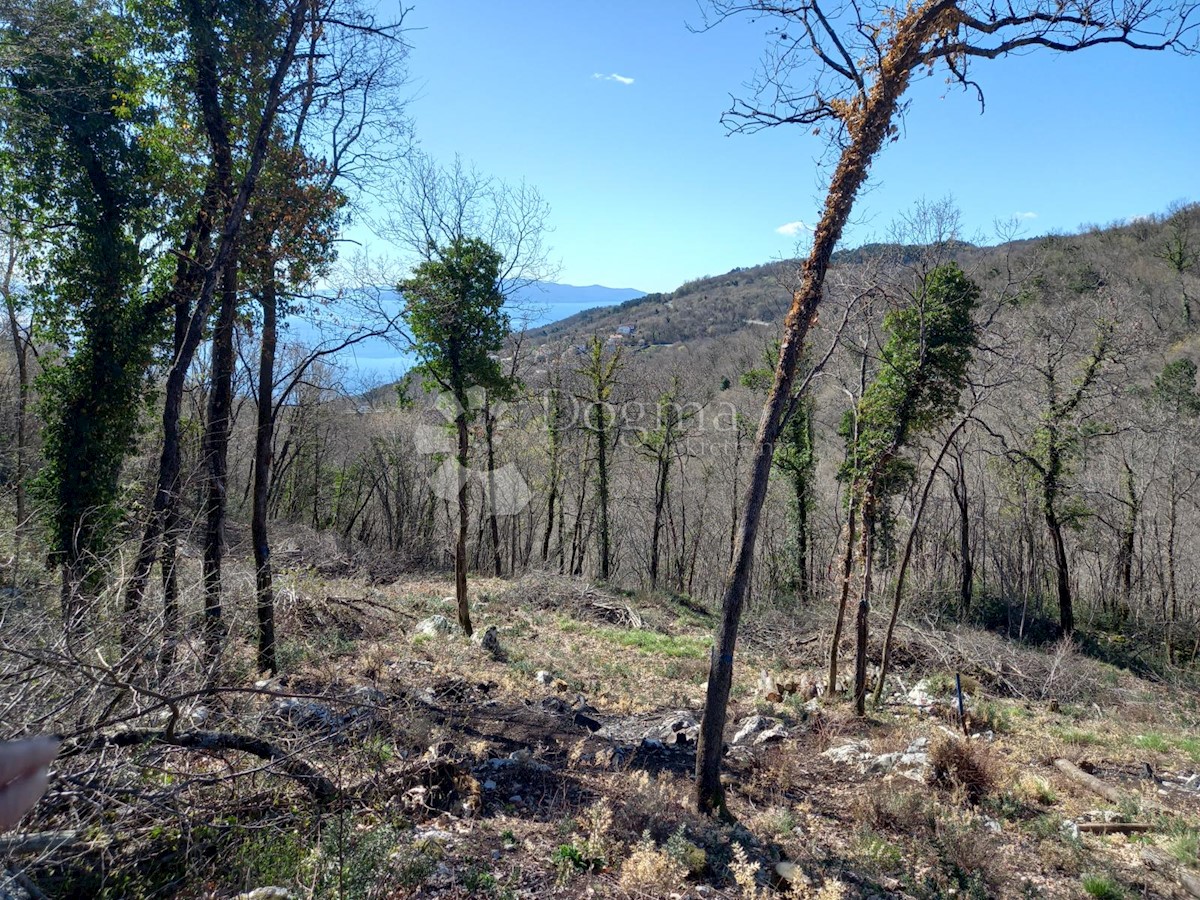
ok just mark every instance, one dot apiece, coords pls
pixel 647 190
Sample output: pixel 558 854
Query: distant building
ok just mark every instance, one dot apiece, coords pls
pixel 626 330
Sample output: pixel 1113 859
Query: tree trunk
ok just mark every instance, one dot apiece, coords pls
pixel 21 350
pixel 1128 536
pixel 734 513
pixel 71 595
pixel 550 512
pixel 460 545
pixel 660 500
pixel 803 580
pixel 710 797
pixel 561 528
pixel 316 476
pixel 216 457
pixel 1066 611
pixel 601 426
pixel 862 620
pixel 844 598
pixel 170 587
pixel 966 570
pixel 553 476
pixel 550 517
pixel 489 433
pixel 263 439
pixel 189 330
pixel 1172 580
pixel 577 548
pixel 898 594
pixel 866 137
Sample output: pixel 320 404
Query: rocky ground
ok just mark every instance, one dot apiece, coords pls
pixel 551 756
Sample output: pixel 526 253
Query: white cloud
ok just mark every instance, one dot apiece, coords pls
pixel 791 229
pixel 620 79
pixel 1025 215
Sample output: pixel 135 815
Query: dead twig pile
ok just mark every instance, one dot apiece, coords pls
pixel 1009 669
pixel 577 599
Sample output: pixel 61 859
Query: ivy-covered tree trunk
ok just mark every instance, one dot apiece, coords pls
pixel 800 499
pixel 91 419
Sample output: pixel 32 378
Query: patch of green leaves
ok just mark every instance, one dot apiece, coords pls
pixel 1102 886
pixel 657 643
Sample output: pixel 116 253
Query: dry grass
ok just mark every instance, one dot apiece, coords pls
pixel 620 825
pixel 650 869
pixel 1009 669
pixel 907 809
pixel 964 765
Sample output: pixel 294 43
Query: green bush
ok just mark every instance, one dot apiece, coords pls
pixel 1103 887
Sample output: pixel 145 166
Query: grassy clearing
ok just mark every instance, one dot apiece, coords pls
pixel 679 647
pixel 1152 741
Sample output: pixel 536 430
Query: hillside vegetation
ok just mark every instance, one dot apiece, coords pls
pixel 554 758
pixel 871 574
pixel 552 753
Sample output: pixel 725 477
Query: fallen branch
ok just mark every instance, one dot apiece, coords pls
pixel 215 741
pixel 1090 782
pixel 437 783
pixel 16 885
pixel 1116 827
pixel 36 841
pixel 1165 865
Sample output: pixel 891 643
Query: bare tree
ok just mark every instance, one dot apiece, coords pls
pixel 348 97
pixel 599 376
pixel 428 207
pixel 665 445
pixel 854 64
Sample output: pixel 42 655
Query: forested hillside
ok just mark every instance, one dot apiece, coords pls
pixel 869 573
